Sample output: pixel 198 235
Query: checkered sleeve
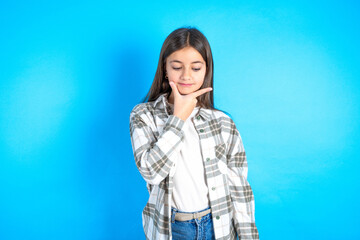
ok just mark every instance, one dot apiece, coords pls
pixel 241 193
pixel 155 155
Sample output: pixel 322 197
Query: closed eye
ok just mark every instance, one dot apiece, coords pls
pixel 178 68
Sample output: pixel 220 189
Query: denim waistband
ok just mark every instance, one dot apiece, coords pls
pixel 177 210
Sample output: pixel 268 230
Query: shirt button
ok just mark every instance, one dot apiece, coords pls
pixel 208 159
pixel 217 217
pixel 213 188
pixel 201 130
pixel 198 117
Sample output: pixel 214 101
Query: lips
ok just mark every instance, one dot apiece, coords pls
pixel 185 85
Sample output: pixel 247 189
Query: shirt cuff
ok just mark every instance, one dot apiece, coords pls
pixel 175 124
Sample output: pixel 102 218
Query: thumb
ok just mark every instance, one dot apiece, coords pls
pixel 174 88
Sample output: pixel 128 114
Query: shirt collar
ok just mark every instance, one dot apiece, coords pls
pixel 162 103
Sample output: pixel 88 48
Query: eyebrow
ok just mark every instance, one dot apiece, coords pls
pixel 182 62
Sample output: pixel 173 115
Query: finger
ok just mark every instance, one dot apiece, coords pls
pixel 174 88
pixel 202 91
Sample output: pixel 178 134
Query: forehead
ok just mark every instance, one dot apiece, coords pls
pixel 186 55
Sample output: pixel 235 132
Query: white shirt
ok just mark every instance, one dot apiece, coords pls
pixel 190 191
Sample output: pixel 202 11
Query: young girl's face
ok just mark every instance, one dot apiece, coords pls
pixel 186 68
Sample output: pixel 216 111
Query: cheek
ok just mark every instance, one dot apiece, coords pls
pixel 200 77
pixel 174 76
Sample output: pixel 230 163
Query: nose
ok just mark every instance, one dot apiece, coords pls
pixel 186 74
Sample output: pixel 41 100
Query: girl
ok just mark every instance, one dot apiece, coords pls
pixel 189 153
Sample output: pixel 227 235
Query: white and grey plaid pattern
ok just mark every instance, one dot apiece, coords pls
pixel 156 137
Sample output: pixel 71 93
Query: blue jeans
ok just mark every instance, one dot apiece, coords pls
pixel 193 229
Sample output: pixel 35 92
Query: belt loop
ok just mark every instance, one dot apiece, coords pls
pixel 173 212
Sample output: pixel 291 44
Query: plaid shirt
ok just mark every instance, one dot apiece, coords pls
pixel 156 137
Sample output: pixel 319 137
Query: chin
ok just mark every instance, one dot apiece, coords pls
pixel 185 92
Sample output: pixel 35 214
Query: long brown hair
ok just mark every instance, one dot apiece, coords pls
pixel 177 40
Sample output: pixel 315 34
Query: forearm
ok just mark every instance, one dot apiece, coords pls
pixel 155 157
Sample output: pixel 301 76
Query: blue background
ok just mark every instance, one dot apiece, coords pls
pixel 71 72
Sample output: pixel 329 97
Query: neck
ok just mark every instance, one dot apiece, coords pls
pixel 171 99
